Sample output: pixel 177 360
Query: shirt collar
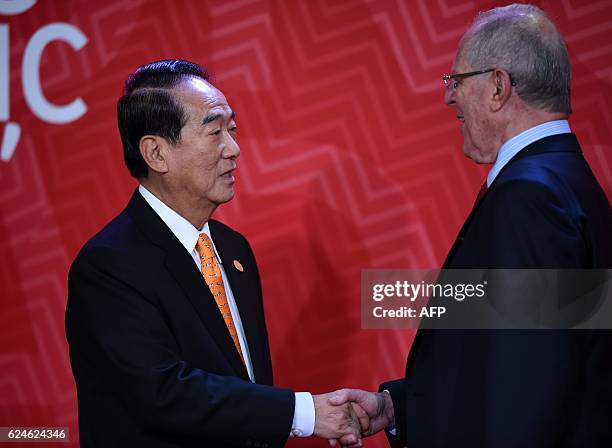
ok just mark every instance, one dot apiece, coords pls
pixel 513 146
pixel 182 229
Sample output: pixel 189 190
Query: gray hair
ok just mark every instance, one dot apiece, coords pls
pixel 522 40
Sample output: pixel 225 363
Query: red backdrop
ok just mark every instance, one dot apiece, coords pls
pixel 350 160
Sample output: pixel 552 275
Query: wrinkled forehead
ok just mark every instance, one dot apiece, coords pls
pixel 201 86
pixel 460 63
pixel 201 96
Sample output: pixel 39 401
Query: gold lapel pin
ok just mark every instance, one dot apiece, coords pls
pixel 238 266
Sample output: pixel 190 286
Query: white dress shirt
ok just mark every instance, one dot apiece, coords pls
pixel 187 234
pixel 513 146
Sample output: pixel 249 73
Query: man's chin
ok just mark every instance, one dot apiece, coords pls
pixel 225 197
pixel 473 154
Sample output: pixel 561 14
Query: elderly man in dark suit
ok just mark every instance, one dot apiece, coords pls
pixel 540 207
pixel 165 319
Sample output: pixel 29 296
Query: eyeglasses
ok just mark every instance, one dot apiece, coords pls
pixel 450 83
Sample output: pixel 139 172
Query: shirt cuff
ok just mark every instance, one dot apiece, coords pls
pixel 303 416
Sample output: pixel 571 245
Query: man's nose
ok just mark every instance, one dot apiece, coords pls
pixel 231 148
pixel 449 96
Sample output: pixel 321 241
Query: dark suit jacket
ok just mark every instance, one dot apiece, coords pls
pixel 152 358
pixel 518 388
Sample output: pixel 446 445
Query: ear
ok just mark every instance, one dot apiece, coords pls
pixel 502 84
pixel 154 150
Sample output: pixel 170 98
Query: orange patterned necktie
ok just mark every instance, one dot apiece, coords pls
pixel 214 280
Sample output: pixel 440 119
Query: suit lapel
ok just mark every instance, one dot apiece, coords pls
pixel 190 279
pixel 459 240
pixel 246 299
pixel 183 269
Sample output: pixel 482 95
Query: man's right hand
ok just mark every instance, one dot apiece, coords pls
pixel 337 420
pixel 374 410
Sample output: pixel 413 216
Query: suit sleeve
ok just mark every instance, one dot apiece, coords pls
pixel 116 329
pixel 397 389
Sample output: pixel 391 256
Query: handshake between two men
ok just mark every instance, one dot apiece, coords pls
pixel 347 415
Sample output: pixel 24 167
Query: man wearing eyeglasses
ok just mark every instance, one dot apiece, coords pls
pixel 540 207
